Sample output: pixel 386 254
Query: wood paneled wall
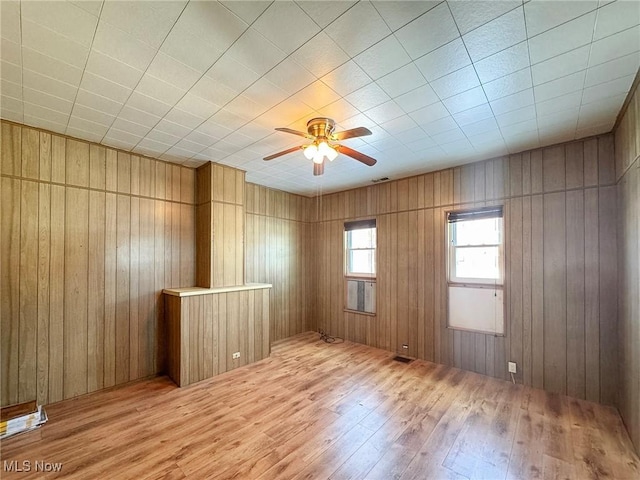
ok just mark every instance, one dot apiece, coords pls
pixel 220 226
pixel 279 247
pixel 90 237
pixel 205 330
pixel 560 218
pixel 628 169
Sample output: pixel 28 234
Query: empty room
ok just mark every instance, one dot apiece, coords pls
pixel 320 239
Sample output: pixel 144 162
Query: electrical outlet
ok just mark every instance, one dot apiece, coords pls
pixel 236 355
pixel 512 367
pixel 405 346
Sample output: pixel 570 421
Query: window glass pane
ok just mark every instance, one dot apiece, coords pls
pixel 477 262
pixel 361 238
pixel 477 232
pixel 361 261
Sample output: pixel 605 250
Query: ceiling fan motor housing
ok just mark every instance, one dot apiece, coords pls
pixel 321 128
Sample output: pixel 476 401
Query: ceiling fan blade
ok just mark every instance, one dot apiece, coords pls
pixel 361 157
pixel 353 133
pixel 284 152
pixel 318 168
pixel 295 132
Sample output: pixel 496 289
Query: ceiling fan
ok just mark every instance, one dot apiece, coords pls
pixel 320 131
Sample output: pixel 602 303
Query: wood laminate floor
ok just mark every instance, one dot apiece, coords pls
pixel 316 410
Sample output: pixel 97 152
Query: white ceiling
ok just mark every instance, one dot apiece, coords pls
pixel 438 83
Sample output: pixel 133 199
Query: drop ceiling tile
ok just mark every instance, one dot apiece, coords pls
pixel 286 25
pixel 615 46
pixel 149 146
pixel 320 55
pixel 120 45
pixel 459 149
pixel 201 138
pixel 92 6
pixel 138 116
pixel 557 104
pixel 248 10
pixel 53 44
pixel 402 81
pixel 428 32
pixel 518 128
pixel 382 58
pixel 471 15
pixel 453 135
pixel 244 108
pixel 171 128
pixel 50 67
pixel 10 21
pixel 346 78
pixel 564 118
pixel 227 119
pixel 595 130
pixel 41 112
pixel 608 89
pixel 541 18
pixel 265 93
pixel 247 135
pixel 104 87
pixel 386 144
pixel 399 125
pixel 84 134
pixel 473 115
pixel 159 89
pixel 173 72
pixel 10 52
pixel 140 20
pixel 368 97
pixel 290 76
pixel 465 100
pixel 12 73
pixel 197 106
pixel 444 60
pixel 45 123
pixel 414 134
pixel 456 82
pixel 616 17
pixel 559 87
pixel 325 12
pixel 64 18
pixel 484 137
pixel 11 104
pixel 417 98
pixel 560 66
pixel 503 32
pixel 563 38
pixel 284 114
pixel 107 67
pixel 513 102
pixel 234 76
pixel 184 119
pixel 339 110
pixel 214 130
pixel 516 116
pixel 317 95
pixel 508 85
pixel 398 14
pixel 130 127
pixel 188 49
pixel 98 102
pixel 46 84
pixel 256 52
pixel 429 114
pixel 600 111
pixel 620 67
pixel 162 137
pixel 358 28
pixel 45 100
pixel 385 112
pixel 148 104
pixel 189 146
pixel 421 144
pixel 503 63
pixel 10 89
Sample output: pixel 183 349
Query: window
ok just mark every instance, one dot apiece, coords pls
pixel 360 248
pixel 360 266
pixel 476 270
pixel 475 246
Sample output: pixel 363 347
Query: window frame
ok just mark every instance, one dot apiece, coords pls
pixel 360 225
pixel 452 278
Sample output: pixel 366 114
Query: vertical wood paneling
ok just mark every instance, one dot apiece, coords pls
pixel 44 258
pixel 76 267
pixel 96 286
pixel 57 294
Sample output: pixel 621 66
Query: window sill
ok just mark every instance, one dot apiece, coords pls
pixel 358 312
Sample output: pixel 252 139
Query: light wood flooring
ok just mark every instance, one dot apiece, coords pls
pixel 316 410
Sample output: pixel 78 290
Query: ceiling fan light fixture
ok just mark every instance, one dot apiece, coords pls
pixel 310 151
pixel 318 158
pixel 331 154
